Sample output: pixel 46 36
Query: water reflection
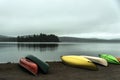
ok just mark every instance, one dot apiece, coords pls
pixel 38 46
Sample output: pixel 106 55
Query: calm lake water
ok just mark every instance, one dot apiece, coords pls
pixel 13 51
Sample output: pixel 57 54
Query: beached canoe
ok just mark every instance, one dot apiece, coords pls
pixel 109 58
pixel 43 66
pixel 118 58
pixel 78 61
pixel 97 60
pixel 29 65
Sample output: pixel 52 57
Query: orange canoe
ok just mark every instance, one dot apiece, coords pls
pixel 29 65
pixel 118 58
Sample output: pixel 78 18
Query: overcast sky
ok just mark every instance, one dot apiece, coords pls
pixel 80 18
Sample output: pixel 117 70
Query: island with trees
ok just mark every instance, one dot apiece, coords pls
pixel 38 38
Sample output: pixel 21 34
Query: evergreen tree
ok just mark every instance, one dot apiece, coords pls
pixel 38 38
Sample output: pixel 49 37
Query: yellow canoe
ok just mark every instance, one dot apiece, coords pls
pixel 79 61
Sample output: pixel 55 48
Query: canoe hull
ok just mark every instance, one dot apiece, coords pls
pixel 78 61
pixel 43 66
pixel 29 65
pixel 109 58
pixel 97 60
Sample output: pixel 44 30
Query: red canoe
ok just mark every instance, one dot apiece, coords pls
pixel 29 65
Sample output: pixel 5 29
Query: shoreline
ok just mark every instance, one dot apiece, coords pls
pixel 59 71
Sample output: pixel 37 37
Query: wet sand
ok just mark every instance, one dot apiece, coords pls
pixel 60 71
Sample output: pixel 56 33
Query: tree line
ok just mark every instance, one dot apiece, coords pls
pixel 38 38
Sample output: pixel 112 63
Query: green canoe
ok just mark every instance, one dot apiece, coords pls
pixel 109 58
pixel 42 65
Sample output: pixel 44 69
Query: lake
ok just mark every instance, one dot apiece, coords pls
pixel 13 51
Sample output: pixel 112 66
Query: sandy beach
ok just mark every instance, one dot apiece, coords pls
pixel 60 71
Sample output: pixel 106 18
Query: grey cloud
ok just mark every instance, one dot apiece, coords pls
pixel 19 17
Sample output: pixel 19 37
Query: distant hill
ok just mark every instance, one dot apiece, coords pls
pixel 7 39
pixel 74 39
pixel 63 39
pixel 1 36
